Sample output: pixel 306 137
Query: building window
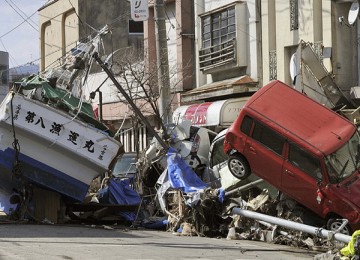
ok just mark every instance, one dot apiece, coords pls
pixel 136 27
pixel 294 15
pixel 273 65
pixel 4 72
pixel 218 38
pixel 136 35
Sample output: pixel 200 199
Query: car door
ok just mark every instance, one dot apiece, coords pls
pixel 264 152
pixel 301 173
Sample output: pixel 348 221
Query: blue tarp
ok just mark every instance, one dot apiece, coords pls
pixel 180 175
pixel 119 192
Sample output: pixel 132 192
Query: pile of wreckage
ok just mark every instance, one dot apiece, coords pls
pixel 178 190
pixel 181 182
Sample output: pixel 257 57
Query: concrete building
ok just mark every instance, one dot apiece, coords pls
pixel 219 51
pixel 65 23
pixel 216 55
pixel 4 74
pixel 238 46
pixel 324 24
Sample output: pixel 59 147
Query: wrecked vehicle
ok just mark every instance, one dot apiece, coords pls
pixel 125 166
pixel 218 175
pixel 50 137
pixel 191 142
pixel 304 149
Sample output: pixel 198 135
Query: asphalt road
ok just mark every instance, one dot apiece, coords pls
pixel 37 242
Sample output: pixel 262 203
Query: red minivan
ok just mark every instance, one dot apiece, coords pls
pixel 304 149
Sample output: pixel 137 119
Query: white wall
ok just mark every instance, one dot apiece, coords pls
pixel 202 6
pixel 285 38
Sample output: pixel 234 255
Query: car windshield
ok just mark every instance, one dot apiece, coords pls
pixel 345 161
pixel 126 164
pixel 218 155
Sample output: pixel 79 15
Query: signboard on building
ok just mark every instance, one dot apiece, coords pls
pixel 217 113
pixel 139 10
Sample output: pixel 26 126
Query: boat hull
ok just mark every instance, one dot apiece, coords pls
pixel 54 150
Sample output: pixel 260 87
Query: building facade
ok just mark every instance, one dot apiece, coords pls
pixel 239 46
pixel 324 24
pixel 219 51
pixel 216 55
pixel 65 23
pixel 4 74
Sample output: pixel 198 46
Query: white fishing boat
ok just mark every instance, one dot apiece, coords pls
pixel 49 135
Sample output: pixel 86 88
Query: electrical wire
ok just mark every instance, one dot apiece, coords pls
pixel 26 20
pixel 17 26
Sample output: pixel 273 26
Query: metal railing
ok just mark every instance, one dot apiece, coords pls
pixel 217 55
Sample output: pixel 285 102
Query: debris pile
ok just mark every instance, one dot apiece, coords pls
pixel 177 199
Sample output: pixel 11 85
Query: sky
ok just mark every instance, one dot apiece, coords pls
pixel 19 30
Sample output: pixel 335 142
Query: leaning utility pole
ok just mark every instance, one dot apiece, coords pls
pixel 162 61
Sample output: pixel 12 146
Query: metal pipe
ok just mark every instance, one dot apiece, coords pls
pixel 244 187
pixel 274 229
pixel 100 107
pixel 292 225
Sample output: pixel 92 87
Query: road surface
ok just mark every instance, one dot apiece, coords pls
pixel 37 242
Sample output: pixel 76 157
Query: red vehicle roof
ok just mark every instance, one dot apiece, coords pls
pixel 305 118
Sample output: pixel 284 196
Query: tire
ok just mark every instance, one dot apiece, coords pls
pixel 238 166
pixel 333 224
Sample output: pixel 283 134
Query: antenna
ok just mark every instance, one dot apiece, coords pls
pixel 353 12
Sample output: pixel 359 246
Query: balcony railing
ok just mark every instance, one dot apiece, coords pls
pixel 217 55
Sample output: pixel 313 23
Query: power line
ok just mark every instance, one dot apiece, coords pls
pixel 16 26
pixel 26 20
pixel 23 12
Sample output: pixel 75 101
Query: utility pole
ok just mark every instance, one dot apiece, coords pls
pixel 162 61
pixel 130 101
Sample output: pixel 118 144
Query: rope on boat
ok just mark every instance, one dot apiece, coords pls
pixel 16 170
pixel 25 189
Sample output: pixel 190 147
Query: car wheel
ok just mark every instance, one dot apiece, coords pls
pixel 333 224
pixel 238 166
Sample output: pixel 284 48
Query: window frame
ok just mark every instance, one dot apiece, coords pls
pixel 135 25
pixel 306 159
pixel 266 136
pixel 249 126
pixel 217 26
pixel 246 125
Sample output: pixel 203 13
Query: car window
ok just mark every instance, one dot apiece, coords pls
pixel 304 161
pixel 269 138
pixel 125 165
pixel 246 125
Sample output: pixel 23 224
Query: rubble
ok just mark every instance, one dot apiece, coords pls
pixel 173 190
pixel 182 203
